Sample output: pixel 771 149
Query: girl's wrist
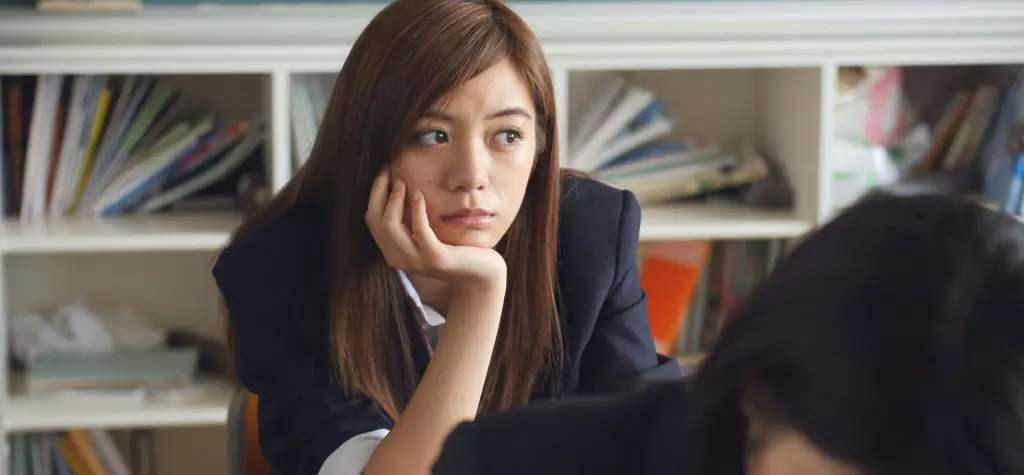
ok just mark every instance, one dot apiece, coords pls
pixel 489 287
pixel 486 296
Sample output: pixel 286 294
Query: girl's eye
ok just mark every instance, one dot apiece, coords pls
pixel 433 137
pixel 509 137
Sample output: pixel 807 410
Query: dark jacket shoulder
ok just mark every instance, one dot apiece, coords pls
pixel 274 287
pixel 273 282
pixel 597 235
pixel 607 332
pixel 640 431
pixel 293 236
pixel 592 209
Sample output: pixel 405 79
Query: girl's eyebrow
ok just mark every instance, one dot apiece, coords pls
pixel 506 112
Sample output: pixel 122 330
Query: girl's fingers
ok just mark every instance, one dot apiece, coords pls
pixel 378 199
pixel 394 229
pixel 425 237
pixel 394 209
pixel 384 217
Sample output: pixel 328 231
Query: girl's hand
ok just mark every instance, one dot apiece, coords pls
pixel 418 250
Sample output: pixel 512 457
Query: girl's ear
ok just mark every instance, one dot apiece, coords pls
pixel 756 407
pixel 747 406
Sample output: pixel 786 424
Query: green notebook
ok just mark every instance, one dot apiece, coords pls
pixel 122 369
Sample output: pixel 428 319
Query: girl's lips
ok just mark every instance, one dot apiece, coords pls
pixel 468 219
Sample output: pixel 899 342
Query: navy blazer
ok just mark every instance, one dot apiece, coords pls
pixel 273 282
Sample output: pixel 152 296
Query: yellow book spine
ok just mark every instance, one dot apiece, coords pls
pixel 71 457
pixel 90 152
pixel 91 460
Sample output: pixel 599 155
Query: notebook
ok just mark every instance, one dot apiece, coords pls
pixel 123 369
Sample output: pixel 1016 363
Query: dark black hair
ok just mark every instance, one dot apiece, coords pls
pixel 892 338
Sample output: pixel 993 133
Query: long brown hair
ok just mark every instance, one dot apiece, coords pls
pixel 411 55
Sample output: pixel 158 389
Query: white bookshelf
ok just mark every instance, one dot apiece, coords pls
pixel 718 222
pixel 761 71
pixel 206 404
pixel 199 232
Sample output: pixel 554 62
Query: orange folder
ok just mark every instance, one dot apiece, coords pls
pixel 669 273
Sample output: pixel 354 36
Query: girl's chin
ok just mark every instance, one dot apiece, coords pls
pixel 471 238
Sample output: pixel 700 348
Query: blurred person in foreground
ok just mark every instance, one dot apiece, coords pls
pixel 889 342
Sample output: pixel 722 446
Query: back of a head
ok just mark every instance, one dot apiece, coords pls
pixel 892 339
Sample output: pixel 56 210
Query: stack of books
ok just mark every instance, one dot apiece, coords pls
pixel 624 137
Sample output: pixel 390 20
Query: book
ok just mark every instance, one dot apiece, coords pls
pixel 613 125
pixel 159 368
pixel 669 274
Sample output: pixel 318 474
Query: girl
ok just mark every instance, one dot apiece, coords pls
pixel 429 262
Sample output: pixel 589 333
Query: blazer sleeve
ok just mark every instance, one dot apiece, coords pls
pixel 280 329
pixel 620 353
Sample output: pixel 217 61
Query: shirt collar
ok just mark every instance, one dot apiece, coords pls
pixel 430 316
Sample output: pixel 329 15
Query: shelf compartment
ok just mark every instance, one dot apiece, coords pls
pixel 115 144
pixel 169 290
pixel 170 232
pixel 954 132
pixel 204 404
pixel 774 111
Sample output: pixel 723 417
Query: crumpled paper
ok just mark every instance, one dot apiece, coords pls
pixel 76 328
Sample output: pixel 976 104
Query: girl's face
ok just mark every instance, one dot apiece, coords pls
pixel 471 156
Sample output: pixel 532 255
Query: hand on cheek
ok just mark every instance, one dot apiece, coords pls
pixel 397 220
